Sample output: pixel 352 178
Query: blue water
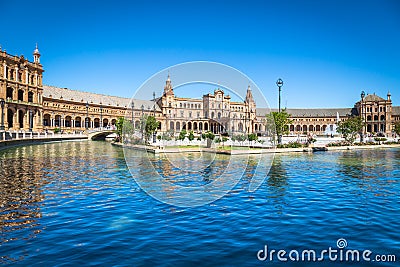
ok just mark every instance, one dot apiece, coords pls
pixel 76 204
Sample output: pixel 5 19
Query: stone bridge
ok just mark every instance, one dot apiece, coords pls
pixel 99 134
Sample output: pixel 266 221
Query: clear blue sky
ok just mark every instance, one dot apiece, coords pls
pixel 325 51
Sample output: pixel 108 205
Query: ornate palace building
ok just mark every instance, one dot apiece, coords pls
pixel 28 105
pixel 22 89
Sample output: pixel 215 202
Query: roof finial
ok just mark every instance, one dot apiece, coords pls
pixel 36 51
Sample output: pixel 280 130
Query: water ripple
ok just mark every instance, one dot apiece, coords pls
pixel 75 203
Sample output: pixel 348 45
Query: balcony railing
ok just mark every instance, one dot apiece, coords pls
pixel 9 100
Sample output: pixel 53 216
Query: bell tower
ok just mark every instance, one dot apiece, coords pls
pixel 36 55
pixel 168 90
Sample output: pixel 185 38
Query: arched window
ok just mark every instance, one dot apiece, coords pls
pixel 21 95
pixel 9 93
pixel 369 118
pixel 30 97
pixel 240 126
pixel 382 117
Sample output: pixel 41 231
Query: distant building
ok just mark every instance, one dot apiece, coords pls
pixel 30 105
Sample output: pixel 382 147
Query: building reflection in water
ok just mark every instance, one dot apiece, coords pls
pixel 21 185
pixel 277 184
pixel 371 170
pixel 32 177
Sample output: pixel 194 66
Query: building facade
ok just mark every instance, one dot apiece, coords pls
pixel 213 112
pixel 21 88
pixel 31 106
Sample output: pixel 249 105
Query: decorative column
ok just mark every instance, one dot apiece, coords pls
pixel 16 120
pixel 16 74
pixel 26 119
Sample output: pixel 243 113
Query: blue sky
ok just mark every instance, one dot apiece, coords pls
pixel 326 52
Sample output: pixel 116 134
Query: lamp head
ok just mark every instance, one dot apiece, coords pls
pixel 279 82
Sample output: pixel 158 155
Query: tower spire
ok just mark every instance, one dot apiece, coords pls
pixel 36 55
pixel 168 86
pixel 249 95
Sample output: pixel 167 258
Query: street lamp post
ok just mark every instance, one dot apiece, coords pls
pixel 2 103
pixel 142 123
pixel 362 116
pixel 279 83
pixel 132 108
pixel 154 104
pixel 87 115
pixel 101 117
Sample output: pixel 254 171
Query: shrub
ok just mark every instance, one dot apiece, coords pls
pixel 339 143
pixel 290 145
pixel 191 136
pixel 57 130
pixel 182 135
pixel 252 137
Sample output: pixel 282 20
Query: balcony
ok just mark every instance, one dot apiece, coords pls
pixel 11 101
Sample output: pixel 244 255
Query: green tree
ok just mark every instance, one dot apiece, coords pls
pixel 119 124
pixel 350 128
pixel 123 127
pixel 278 124
pixel 182 135
pixel 150 126
pixel 191 136
pixel 210 135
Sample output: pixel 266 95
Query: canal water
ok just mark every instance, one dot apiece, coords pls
pixel 76 204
